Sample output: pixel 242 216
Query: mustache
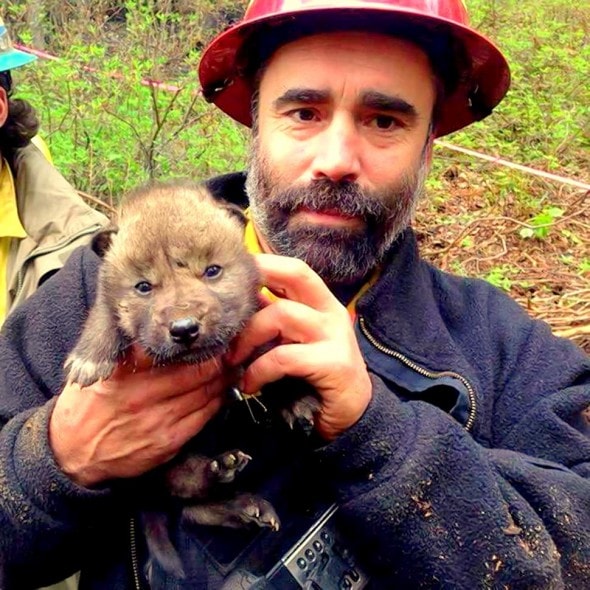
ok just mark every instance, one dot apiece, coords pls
pixel 324 194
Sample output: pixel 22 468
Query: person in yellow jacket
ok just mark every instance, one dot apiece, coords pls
pixel 42 218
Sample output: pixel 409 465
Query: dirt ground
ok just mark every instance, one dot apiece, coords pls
pixel 542 274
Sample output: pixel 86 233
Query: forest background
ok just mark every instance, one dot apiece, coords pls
pixel 109 129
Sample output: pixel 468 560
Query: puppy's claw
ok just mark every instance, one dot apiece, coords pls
pixel 302 413
pixel 227 465
pixel 257 511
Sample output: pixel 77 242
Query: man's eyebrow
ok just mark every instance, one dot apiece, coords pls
pixel 301 96
pixel 384 102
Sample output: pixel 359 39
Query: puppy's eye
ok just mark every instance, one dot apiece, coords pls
pixel 213 272
pixel 143 287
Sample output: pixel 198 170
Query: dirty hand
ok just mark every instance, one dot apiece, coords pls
pixel 133 421
pixel 315 341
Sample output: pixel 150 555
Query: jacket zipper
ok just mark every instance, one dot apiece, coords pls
pixel 42 251
pixel 134 557
pixel 424 372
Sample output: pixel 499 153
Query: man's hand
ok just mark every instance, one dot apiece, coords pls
pixel 137 419
pixel 315 341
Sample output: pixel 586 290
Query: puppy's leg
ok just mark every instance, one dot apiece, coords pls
pixel 240 511
pixel 195 475
pixel 95 355
pixel 160 548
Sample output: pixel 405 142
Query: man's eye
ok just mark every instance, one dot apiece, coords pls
pixel 303 115
pixel 385 122
pixel 212 272
pixel 143 287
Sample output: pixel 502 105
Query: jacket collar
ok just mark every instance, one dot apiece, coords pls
pixel 415 308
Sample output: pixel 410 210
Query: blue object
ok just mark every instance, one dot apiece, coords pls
pixel 10 57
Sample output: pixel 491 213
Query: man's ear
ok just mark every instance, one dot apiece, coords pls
pixel 428 147
pixel 3 106
pixel 101 241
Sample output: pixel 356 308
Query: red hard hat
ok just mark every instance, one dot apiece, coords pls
pixel 482 73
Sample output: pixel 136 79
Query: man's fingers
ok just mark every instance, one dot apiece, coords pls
pixel 290 278
pixel 293 360
pixel 176 408
pixel 283 321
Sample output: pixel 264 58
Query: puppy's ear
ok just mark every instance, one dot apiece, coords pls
pixel 236 212
pixel 101 241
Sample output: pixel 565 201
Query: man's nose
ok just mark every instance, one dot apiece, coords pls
pixel 338 151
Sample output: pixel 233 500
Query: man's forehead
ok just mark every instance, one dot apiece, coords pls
pixel 363 43
pixel 367 62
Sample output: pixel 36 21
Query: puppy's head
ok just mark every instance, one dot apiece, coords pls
pixel 177 274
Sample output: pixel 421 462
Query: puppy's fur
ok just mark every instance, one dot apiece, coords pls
pixel 177 280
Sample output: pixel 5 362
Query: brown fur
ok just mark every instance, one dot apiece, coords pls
pixel 159 287
pixel 167 237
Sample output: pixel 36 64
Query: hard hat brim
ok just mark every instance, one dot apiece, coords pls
pixel 15 59
pixel 479 91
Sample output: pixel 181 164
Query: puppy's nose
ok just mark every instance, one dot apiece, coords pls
pixel 184 331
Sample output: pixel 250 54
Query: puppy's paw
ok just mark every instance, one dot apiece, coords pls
pixel 300 412
pixel 236 513
pixel 226 466
pixel 85 371
pixel 253 509
pixel 194 475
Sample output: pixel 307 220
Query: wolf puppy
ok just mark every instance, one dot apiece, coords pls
pixel 177 280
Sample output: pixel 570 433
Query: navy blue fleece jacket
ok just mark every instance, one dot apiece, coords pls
pixel 470 468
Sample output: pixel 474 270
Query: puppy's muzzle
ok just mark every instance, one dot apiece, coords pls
pixel 184 331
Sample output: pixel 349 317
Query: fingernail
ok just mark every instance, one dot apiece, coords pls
pixel 234 394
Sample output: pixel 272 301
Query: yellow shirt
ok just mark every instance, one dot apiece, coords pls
pixel 10 227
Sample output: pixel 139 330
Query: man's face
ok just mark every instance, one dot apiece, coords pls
pixel 341 149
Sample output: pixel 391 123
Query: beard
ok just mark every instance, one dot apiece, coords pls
pixel 339 255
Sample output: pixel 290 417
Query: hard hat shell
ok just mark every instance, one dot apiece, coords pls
pixel 483 77
pixel 10 57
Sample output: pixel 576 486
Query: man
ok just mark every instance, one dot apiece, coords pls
pixel 43 219
pixel 450 436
